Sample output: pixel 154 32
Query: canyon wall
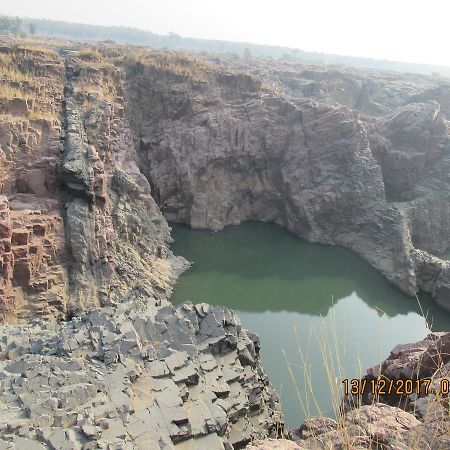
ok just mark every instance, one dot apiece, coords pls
pixel 92 353
pixel 221 146
pixel 97 142
pixel 99 146
pixel 79 227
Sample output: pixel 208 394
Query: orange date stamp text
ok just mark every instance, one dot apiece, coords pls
pixel 384 386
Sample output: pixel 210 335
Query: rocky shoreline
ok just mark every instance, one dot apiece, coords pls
pixel 393 420
pixel 100 145
pixel 140 375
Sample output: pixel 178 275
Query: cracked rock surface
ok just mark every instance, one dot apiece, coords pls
pixel 96 144
pixel 139 376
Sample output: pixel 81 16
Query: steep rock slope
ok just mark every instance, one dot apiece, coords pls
pixel 220 147
pixel 116 234
pixel 95 142
pixel 32 237
pixel 79 227
pixel 83 241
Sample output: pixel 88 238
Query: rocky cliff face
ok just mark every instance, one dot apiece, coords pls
pixel 210 145
pixel 370 92
pixel 32 236
pixel 79 227
pixel 116 234
pixel 82 241
pixel 96 144
pixel 220 149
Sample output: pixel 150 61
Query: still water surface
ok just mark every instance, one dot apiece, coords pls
pixel 304 300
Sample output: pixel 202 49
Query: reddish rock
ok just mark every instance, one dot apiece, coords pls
pixel 20 251
pixel 274 444
pixel 41 286
pixel 34 249
pixel 5 245
pixel 30 158
pixel 20 237
pixel 33 182
pixel 372 426
pixel 8 264
pixel 39 229
pixel 19 107
pixel 5 229
pixel 22 272
pixel 416 360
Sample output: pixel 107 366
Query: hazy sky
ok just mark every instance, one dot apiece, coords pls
pixel 404 30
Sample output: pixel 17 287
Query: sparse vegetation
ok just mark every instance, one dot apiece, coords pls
pixel 42 115
pixel 30 46
pixel 8 92
pixel 173 41
pixel 89 54
pixel 5 60
pixel 26 73
pixel 11 72
pixel 346 435
pixel 133 57
pixel 179 64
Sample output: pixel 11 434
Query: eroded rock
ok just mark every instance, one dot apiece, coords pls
pixel 109 378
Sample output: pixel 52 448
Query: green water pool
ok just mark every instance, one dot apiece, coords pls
pixel 319 310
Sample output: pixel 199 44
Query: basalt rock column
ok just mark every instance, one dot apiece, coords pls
pixel 219 147
pixel 116 235
pixel 33 276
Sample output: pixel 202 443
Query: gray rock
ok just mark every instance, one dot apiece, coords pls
pixel 321 170
pixel 176 398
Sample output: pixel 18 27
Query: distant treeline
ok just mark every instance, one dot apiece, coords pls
pixel 11 25
pixel 15 26
pixel 174 41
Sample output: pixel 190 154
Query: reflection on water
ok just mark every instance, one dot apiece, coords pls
pixel 293 292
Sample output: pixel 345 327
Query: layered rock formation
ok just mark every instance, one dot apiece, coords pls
pixel 79 227
pixel 116 234
pixel 220 150
pixel 218 146
pixel 34 282
pixel 137 376
pixel 32 261
pixel 82 241
pixel 97 143
pixel 371 92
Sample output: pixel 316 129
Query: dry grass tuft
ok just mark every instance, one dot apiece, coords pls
pixel 433 432
pixel 178 64
pixel 8 92
pixel 34 48
pixel 89 54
